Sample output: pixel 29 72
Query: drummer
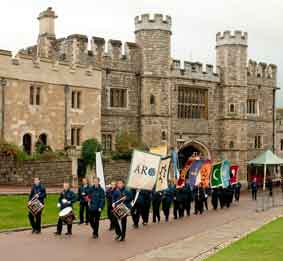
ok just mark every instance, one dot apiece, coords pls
pixel 66 199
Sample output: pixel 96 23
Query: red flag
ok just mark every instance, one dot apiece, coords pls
pixel 234 173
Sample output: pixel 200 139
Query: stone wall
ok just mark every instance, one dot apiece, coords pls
pixel 51 173
pixel 114 170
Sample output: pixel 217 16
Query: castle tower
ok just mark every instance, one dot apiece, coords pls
pixel 231 58
pixel 153 36
pixel 46 39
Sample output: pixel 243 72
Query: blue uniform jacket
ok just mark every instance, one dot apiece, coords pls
pixel 97 198
pixel 120 193
pixel 168 194
pixel 70 196
pixel 40 190
pixel 83 192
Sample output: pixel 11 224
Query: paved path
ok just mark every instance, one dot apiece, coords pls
pixel 164 241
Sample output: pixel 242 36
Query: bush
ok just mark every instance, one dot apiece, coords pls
pixel 89 147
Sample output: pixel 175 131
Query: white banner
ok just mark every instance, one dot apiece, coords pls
pixel 99 169
pixel 162 178
pixel 144 170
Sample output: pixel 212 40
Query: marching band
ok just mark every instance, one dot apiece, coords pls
pixel 122 202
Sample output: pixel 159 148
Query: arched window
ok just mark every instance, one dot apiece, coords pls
pixel 43 139
pixel 232 107
pixel 152 100
pixel 27 143
pixel 163 135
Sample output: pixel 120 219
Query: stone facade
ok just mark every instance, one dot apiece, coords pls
pixel 51 173
pixel 230 106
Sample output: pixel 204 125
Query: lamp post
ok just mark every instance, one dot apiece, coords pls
pixel 3 83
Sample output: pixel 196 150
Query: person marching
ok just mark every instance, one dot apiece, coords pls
pixel 180 199
pixel 66 199
pixel 254 189
pixel 237 191
pixel 121 195
pixel 109 194
pixel 156 202
pixel 167 199
pixel 189 198
pixel 214 198
pixel 37 191
pixel 83 199
pixel 199 199
pixel 96 205
pixel 146 202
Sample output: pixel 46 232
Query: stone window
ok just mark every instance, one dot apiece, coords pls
pixel 231 107
pixel 152 100
pixel 43 138
pixel 251 106
pixel 192 103
pixel 76 99
pixel 76 136
pixel 107 142
pixel 27 143
pixel 258 142
pixel 231 145
pixel 118 98
pixel 163 136
pixel 281 144
pixel 34 96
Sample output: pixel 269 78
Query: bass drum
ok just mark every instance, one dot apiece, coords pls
pixel 67 215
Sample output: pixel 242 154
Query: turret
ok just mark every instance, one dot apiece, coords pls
pixel 231 57
pixel 153 36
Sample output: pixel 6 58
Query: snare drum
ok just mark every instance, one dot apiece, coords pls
pixel 121 211
pixel 67 215
pixel 35 206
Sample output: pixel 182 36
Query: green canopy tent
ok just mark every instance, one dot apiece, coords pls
pixel 264 159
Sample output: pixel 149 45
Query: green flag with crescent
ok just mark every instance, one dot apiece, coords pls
pixel 216 177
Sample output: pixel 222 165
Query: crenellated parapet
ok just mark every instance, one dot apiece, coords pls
pixel 232 38
pixel 157 22
pixel 261 73
pixel 194 70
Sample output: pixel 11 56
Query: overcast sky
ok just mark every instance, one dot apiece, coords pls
pixel 195 24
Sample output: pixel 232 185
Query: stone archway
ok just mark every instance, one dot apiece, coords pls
pixel 191 148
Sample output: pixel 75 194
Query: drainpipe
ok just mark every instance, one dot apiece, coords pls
pixel 66 121
pixel 274 121
pixel 3 85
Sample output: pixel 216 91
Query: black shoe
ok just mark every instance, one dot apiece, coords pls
pixel 86 223
pixel 136 226
pixel 57 233
pixel 68 233
pixel 144 223
pixel 37 232
pixel 166 219
pixel 118 237
pixel 33 231
pixel 122 239
pixel 94 236
pixel 154 221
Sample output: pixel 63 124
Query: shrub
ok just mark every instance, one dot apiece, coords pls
pixel 89 147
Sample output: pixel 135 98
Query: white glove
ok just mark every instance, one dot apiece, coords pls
pixel 58 205
pixel 64 201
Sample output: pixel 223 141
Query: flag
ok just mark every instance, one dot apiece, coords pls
pixel 225 172
pixel 204 173
pixel 143 170
pixel 216 177
pixel 174 156
pixel 234 173
pixel 186 168
pixel 160 150
pixel 162 178
pixel 99 169
pixel 194 173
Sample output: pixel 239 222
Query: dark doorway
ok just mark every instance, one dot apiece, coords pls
pixel 185 153
pixel 43 139
pixel 27 143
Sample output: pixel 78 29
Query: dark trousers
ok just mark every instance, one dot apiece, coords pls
pixel 121 230
pixel 188 207
pixel 254 192
pixel 145 212
pixel 205 203
pixel 237 195
pixel 156 210
pixel 35 221
pixel 84 212
pixel 166 208
pixel 136 213
pixel 110 216
pixel 178 209
pixel 94 217
pixel 60 227
pixel 198 206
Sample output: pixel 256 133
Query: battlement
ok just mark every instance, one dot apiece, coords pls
pixel 194 70
pixel 157 22
pixel 232 38
pixel 49 12
pixel 261 70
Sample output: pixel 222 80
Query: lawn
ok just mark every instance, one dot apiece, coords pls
pixel 14 213
pixel 265 244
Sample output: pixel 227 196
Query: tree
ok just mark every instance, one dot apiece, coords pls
pixel 89 148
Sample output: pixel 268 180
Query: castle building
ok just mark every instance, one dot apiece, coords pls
pixel 219 112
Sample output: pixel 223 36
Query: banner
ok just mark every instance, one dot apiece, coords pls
pixel 194 173
pixel 99 169
pixel 216 177
pixel 234 173
pixel 225 172
pixel 160 150
pixel 144 170
pixel 174 156
pixel 204 173
pixel 162 178
pixel 186 168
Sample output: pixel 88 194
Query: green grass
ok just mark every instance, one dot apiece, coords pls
pixel 265 244
pixel 14 212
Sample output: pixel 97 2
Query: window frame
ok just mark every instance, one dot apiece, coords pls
pixel 123 98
